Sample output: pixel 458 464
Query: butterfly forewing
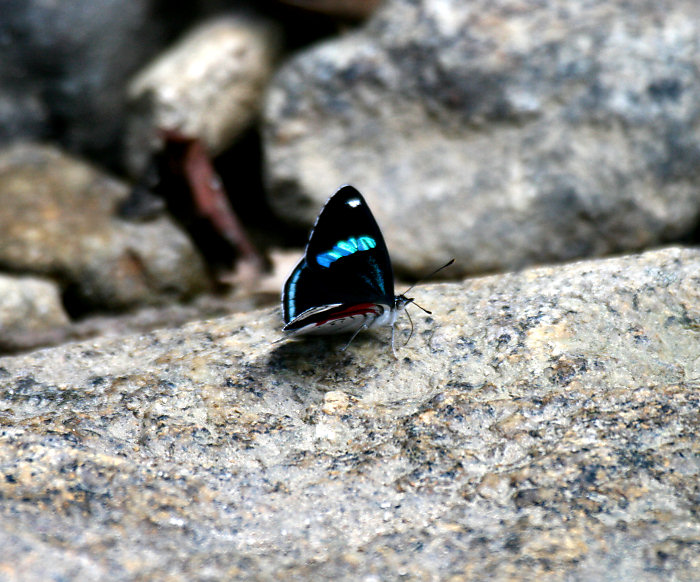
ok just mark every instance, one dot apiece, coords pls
pixel 346 260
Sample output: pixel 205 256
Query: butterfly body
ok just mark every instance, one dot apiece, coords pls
pixel 344 282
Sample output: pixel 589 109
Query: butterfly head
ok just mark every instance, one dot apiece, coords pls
pixel 401 301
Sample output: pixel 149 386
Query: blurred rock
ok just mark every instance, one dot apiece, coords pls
pixel 540 425
pixel 58 221
pixel 22 112
pixel 207 86
pixel 498 133
pixel 29 306
pixel 134 321
pixel 65 65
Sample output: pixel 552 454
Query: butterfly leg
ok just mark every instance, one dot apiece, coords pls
pixel 369 320
pixel 393 348
pixel 359 329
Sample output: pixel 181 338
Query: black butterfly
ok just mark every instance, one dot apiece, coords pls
pixel 344 282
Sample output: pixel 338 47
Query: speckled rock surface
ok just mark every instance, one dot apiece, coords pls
pixel 28 304
pixel 209 85
pixel 540 425
pixel 58 220
pixel 500 133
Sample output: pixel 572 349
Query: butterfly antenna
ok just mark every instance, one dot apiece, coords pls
pixel 447 264
pixel 420 307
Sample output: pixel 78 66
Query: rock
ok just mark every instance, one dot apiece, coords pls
pixel 499 135
pixel 120 324
pixel 58 221
pixel 22 113
pixel 538 425
pixel 29 306
pixel 65 65
pixel 209 85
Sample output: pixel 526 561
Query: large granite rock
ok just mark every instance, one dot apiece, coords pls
pixel 58 220
pixel 540 425
pixel 499 133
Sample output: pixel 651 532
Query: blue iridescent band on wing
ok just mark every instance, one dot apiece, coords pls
pixel 345 248
pixel 290 294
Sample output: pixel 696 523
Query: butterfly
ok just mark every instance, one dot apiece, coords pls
pixel 344 282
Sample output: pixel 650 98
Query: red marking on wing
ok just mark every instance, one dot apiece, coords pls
pixel 359 309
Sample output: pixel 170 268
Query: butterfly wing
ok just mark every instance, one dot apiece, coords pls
pixel 346 262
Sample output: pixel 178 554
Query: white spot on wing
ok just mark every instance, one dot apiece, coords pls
pixel 353 202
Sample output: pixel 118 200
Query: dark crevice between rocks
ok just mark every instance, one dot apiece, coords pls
pixel 241 170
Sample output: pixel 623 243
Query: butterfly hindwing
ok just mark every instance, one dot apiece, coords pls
pixel 346 264
pixel 334 318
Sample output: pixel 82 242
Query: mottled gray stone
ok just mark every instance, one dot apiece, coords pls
pixel 540 425
pixel 58 220
pixel 29 305
pixel 209 85
pixel 500 133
